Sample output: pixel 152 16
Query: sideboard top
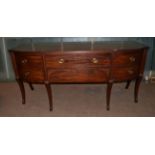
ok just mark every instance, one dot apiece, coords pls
pixel 79 46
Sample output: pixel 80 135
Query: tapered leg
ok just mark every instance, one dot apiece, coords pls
pixel 127 84
pixel 137 84
pixel 22 89
pixel 31 86
pixel 49 92
pixel 108 94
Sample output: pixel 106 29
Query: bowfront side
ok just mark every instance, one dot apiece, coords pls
pixel 102 62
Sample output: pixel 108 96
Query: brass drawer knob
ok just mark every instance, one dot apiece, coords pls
pixel 132 59
pixel 24 61
pixel 130 72
pixel 94 60
pixel 61 61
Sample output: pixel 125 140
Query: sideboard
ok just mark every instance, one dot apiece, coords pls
pixel 75 62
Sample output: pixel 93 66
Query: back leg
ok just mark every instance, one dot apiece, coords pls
pixel 31 86
pixel 127 84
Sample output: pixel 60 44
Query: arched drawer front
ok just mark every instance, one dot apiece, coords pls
pixel 30 66
pixel 32 75
pixel 127 58
pixel 28 61
pixel 124 73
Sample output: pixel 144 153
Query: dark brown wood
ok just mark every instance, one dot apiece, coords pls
pixel 77 59
pixel 127 84
pixel 128 58
pixel 142 63
pixel 32 61
pixel 22 89
pixel 14 64
pixel 78 75
pixel 136 90
pixel 30 67
pixel 106 62
pixel 124 73
pixel 139 77
pixel 31 75
pixel 108 94
pixel 49 92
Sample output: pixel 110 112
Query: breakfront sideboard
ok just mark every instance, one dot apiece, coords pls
pixel 75 62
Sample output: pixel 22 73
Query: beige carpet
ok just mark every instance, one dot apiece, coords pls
pixel 77 100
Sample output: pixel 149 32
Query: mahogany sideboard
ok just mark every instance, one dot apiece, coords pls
pixel 100 62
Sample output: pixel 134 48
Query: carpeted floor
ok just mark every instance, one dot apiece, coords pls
pixel 77 100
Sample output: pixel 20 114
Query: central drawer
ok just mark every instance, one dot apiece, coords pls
pixel 78 75
pixel 68 60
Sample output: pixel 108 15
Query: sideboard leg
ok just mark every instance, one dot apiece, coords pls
pixel 127 84
pixel 22 89
pixel 31 86
pixel 49 92
pixel 137 84
pixel 108 94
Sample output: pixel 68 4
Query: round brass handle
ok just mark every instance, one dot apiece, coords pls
pixel 61 61
pixel 94 60
pixel 130 71
pixel 24 61
pixel 132 59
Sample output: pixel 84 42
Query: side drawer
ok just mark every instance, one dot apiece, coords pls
pixel 32 75
pixel 127 58
pixel 29 61
pixel 30 66
pixel 71 60
pixel 124 73
pixel 76 75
